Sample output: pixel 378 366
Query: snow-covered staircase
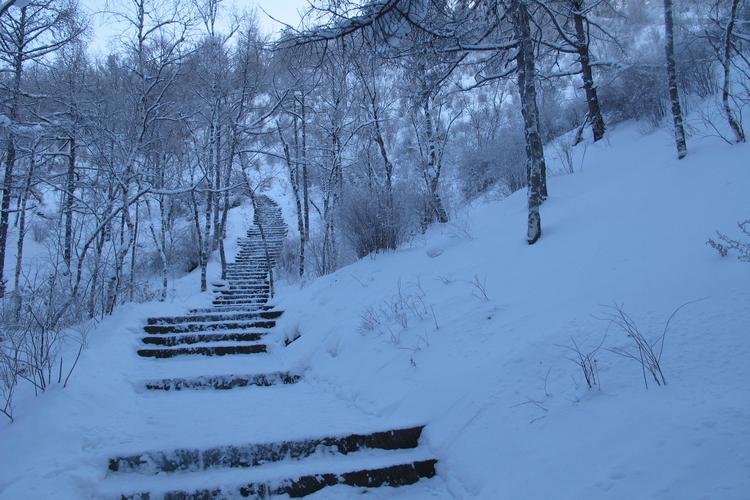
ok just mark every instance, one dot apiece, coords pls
pixel 295 468
pixel 239 327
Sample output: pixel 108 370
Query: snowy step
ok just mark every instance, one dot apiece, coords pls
pixel 173 340
pixel 246 287
pixel 295 483
pixel 237 302
pixel 246 291
pixel 257 244
pixel 246 273
pixel 244 283
pixel 252 455
pixel 235 283
pixel 243 296
pixel 224 310
pixel 222 382
pixel 171 320
pixel 207 327
pixel 261 306
pixel 224 350
pixel 257 275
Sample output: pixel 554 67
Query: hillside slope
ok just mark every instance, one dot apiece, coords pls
pixel 508 413
pixel 462 331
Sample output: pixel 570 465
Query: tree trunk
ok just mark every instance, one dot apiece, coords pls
pixel 22 230
pixel 69 202
pixel 674 95
pixel 433 167
pixel 159 242
pixel 217 185
pixel 584 58
pixel 734 124
pixel 10 154
pixel 206 238
pixel 305 177
pixel 133 252
pixel 201 245
pixel 526 88
pixel 294 180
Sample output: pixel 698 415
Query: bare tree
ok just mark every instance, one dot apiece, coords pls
pixel 27 35
pixel 725 51
pixel 674 95
pixel 576 12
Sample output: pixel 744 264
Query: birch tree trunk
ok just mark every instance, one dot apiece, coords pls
pixel 734 124
pixel 22 230
pixel 69 202
pixel 584 58
pixel 305 176
pixel 10 153
pixel 207 241
pixel 433 167
pixel 526 88
pixel 201 245
pixel 674 95
pixel 294 180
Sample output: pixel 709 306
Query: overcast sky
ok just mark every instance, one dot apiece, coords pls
pixel 105 33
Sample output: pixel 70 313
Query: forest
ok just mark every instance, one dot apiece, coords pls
pixel 380 118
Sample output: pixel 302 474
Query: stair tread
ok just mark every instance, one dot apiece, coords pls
pixel 273 473
pixel 227 381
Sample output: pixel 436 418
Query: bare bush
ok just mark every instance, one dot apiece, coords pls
pixel 376 222
pixel 480 288
pixel 726 245
pixel 287 264
pixel 36 336
pixel 395 314
pixel 646 352
pixel 586 360
pixel 501 163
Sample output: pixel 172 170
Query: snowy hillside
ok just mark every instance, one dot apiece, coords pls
pixel 464 332
pixel 411 334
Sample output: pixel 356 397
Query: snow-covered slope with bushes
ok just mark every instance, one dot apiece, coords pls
pixel 465 331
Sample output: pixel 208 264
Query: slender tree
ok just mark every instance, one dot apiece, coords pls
pixel 674 94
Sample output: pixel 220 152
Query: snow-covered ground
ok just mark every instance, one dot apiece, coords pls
pixel 462 331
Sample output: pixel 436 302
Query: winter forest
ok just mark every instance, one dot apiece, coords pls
pixel 409 181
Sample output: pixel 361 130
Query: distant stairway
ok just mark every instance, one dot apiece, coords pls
pixel 240 323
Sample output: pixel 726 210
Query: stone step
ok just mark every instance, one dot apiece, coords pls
pixel 252 455
pixel 223 301
pixel 202 351
pixel 225 310
pixel 257 244
pixel 258 267
pixel 172 320
pixel 259 292
pixel 204 338
pixel 272 238
pixel 245 287
pixel 242 296
pixel 222 382
pixel 207 327
pixel 232 309
pixel 243 281
pixel 393 475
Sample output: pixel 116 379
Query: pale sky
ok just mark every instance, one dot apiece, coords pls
pixel 105 31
